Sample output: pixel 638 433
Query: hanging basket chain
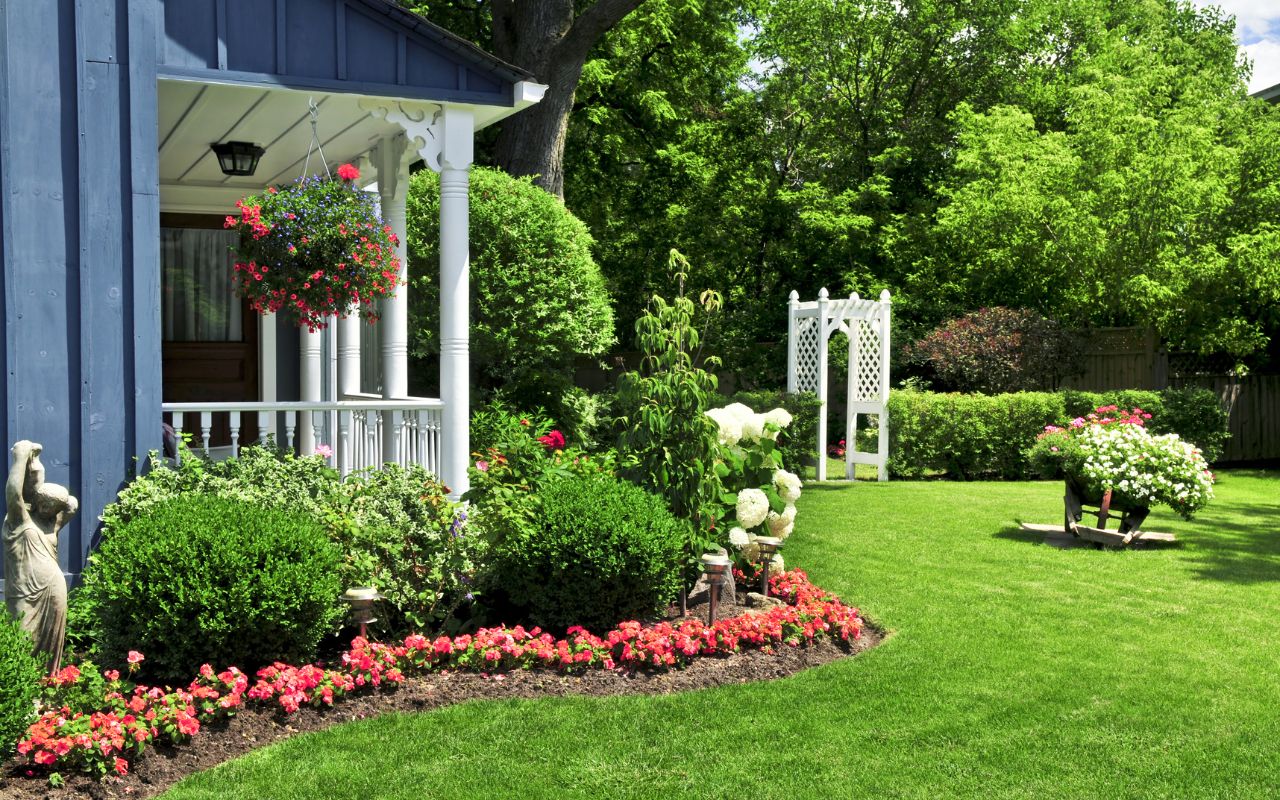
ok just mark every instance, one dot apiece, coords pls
pixel 314 146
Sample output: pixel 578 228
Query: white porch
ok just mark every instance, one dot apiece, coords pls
pixel 351 390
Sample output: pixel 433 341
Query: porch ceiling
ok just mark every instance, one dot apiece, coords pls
pixel 194 115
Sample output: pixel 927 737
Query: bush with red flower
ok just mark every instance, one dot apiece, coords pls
pixel 315 248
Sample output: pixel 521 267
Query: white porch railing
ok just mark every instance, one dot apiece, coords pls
pixel 356 430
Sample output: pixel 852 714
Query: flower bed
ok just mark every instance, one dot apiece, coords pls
pixel 130 717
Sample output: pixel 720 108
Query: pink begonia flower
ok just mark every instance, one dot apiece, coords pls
pixel 483 466
pixel 324 450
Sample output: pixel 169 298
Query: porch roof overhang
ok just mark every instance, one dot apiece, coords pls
pixel 245 70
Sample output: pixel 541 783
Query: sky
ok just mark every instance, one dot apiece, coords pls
pixel 1258 31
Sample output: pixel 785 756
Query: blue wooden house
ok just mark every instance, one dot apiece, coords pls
pixel 118 311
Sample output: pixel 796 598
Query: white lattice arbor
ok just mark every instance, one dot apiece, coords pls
pixel 865 323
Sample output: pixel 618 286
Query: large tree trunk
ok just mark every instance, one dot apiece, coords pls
pixel 545 38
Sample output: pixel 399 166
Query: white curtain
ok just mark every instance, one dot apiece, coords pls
pixel 199 303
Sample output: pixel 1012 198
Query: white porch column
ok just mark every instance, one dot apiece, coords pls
pixel 311 380
pixel 443 137
pixel 455 297
pixel 393 187
pixel 349 355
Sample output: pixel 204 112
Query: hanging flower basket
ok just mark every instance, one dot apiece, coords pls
pixel 315 248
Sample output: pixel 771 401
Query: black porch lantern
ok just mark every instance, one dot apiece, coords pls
pixel 237 158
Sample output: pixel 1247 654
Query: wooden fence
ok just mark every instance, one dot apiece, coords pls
pixel 1254 405
pixel 1131 358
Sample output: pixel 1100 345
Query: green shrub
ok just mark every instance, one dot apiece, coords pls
pixel 667 444
pixel 403 535
pixel 259 475
pixel 538 299
pixel 1197 416
pixel 1000 350
pixel 395 527
pixel 20 674
pixel 798 443
pixel 966 435
pixel 207 579
pixel 603 551
pixel 512 459
pixel 969 436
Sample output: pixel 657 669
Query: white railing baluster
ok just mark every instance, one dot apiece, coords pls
pixel 343 448
pixel 177 432
pixel 363 432
pixel 206 425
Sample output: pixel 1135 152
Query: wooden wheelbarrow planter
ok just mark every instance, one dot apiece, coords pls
pixel 1126 534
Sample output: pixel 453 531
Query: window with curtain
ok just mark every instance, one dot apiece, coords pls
pixel 199 303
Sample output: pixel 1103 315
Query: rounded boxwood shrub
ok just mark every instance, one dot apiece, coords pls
pixel 601 551
pixel 201 578
pixel 20 675
pixel 538 299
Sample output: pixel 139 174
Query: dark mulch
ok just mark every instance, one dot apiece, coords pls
pixel 161 767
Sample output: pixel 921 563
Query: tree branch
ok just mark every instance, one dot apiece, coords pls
pixel 593 23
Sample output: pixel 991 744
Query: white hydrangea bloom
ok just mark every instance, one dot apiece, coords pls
pixel 739 410
pixel 738 538
pixel 752 427
pixel 788 485
pixel 729 424
pixel 779 524
pixel 751 552
pixel 779 416
pixel 776 565
pixel 752 507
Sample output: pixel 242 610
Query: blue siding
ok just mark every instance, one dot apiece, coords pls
pixel 191 38
pixel 255 45
pixel 359 46
pixel 79 226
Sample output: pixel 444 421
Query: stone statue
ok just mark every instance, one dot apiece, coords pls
pixel 34 588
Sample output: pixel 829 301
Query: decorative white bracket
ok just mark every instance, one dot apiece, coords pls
pixel 441 135
pixel 419 121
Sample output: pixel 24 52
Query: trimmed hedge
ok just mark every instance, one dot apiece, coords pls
pixel 202 579
pixel 968 436
pixel 601 551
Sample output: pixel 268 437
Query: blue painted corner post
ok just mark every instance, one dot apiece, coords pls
pixel 79 234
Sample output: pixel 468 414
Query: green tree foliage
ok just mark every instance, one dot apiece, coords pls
pixel 1096 161
pixel 537 297
pixel 1137 207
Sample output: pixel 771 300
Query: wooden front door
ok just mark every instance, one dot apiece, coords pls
pixel 210 344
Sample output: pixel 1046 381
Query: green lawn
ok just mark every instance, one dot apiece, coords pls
pixel 1014 670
